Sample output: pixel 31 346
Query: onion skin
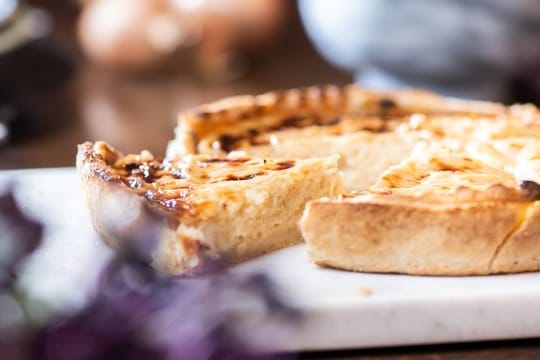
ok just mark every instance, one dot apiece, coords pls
pixel 118 33
pixel 136 34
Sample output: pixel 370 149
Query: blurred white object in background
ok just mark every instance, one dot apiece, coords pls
pixel 20 24
pixel 462 48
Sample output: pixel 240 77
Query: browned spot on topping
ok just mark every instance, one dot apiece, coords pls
pixel 378 129
pixel 131 166
pixel 393 179
pixel 293 121
pixel 282 165
pixel 531 189
pixel 228 142
pixel 243 177
pixel 245 115
pixel 190 246
pixel 227 160
pixel 258 110
pixel 234 163
pixel 253 132
pixel 262 140
pixel 334 121
pixel 222 112
pixel 205 115
pixel 387 104
pixel 255 137
pixel 438 132
pixel 148 172
pixel 194 138
pixel 443 166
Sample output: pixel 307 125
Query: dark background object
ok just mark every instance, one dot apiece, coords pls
pixel 467 49
pixel 31 69
pixel 30 76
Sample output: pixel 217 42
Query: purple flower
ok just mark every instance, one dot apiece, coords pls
pixel 135 312
pixel 20 236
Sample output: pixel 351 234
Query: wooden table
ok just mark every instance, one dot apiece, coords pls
pixel 135 112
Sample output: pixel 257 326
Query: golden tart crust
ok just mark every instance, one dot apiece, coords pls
pixel 231 208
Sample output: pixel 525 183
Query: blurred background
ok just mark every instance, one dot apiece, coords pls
pixel 121 70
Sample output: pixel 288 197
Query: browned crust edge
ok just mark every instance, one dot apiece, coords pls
pixel 99 182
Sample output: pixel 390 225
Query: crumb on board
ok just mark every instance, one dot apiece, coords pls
pixel 365 291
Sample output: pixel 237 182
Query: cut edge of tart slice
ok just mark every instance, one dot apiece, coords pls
pixel 213 207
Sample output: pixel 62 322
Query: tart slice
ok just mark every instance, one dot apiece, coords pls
pixel 227 207
pixel 440 212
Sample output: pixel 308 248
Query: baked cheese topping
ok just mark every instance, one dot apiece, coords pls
pixel 427 127
pixel 294 127
pixel 467 144
pixel 442 171
pixel 447 166
pixel 315 126
pixel 244 122
pixel 171 181
pixel 477 128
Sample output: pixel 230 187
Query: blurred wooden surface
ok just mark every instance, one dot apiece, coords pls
pixel 136 112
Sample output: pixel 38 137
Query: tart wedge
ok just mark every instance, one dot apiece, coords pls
pixel 215 206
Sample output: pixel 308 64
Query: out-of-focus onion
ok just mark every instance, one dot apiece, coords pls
pixel 231 29
pixel 129 33
pixel 139 33
pixel 234 24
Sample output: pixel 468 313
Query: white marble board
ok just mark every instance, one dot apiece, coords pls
pixel 341 310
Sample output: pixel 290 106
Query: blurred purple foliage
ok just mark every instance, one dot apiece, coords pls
pixel 20 236
pixel 134 312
